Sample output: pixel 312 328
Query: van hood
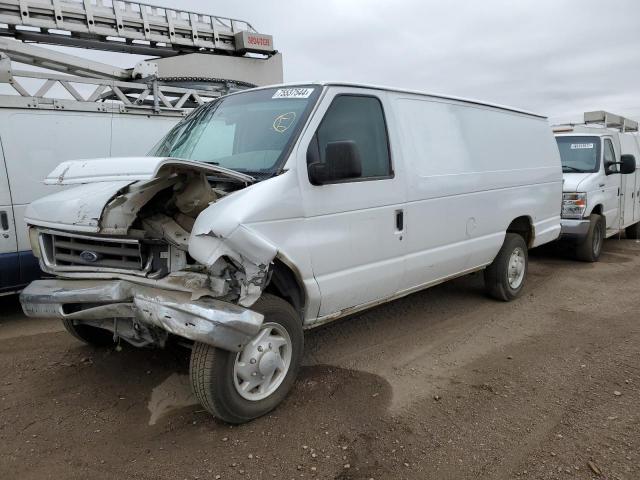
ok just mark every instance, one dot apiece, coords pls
pixel 571 182
pixel 109 192
pixel 131 169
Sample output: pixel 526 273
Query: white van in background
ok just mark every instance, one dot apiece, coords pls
pixel 33 142
pixel 601 191
pixel 282 208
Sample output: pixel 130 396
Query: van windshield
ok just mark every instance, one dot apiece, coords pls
pixel 250 132
pixel 579 154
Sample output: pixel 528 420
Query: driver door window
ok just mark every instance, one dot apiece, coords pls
pixel 359 119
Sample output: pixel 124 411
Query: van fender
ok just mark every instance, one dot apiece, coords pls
pixel 248 251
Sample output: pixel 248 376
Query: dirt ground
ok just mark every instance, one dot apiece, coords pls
pixel 443 384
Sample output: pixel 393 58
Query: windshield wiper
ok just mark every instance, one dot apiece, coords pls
pixel 571 169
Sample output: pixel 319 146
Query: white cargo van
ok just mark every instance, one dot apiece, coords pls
pixel 601 191
pixel 279 209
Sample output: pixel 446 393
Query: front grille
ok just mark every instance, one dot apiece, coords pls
pixel 75 252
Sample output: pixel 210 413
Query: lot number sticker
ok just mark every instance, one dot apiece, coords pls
pixel 293 93
pixel 578 146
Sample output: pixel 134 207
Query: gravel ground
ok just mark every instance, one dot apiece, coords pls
pixel 443 384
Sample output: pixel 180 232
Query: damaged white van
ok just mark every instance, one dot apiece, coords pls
pixel 274 210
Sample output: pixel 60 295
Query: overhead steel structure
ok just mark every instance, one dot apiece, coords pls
pixel 196 56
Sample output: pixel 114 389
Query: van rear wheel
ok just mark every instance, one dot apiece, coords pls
pixel 504 279
pixel 237 387
pixel 590 249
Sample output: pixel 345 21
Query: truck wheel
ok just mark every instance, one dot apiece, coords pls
pixel 505 277
pixel 94 336
pixel 239 386
pixel 589 250
pixel 633 231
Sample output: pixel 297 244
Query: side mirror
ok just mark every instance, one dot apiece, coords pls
pixel 627 164
pixel 342 161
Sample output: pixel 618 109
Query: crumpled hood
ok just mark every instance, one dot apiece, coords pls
pixel 76 209
pixel 571 181
pixel 99 181
pixel 130 169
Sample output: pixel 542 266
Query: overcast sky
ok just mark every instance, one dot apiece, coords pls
pixel 555 57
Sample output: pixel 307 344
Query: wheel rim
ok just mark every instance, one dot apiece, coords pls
pixel 261 367
pixel 516 268
pixel 597 239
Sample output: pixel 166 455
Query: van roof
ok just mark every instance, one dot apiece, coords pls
pixel 400 90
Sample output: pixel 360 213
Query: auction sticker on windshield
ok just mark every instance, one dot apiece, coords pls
pixel 578 146
pixel 293 93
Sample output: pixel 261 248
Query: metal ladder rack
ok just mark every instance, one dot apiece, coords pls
pixel 610 120
pixel 129 26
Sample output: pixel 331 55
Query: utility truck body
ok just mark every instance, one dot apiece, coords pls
pixel 601 189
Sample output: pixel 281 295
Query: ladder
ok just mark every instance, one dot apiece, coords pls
pixel 197 57
pixel 130 27
pixel 610 120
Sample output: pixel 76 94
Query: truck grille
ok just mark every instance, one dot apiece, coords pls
pixel 64 251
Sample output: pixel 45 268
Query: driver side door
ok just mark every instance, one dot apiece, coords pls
pixel 354 227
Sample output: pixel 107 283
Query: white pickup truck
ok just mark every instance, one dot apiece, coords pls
pixel 278 209
pixel 601 190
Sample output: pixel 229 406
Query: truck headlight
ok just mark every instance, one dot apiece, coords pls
pixel 573 205
pixel 34 239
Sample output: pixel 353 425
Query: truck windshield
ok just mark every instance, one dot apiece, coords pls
pixel 250 132
pixel 579 154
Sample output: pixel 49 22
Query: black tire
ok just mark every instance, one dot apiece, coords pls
pixel 590 249
pixel 93 336
pixel 212 369
pixel 632 232
pixel 496 275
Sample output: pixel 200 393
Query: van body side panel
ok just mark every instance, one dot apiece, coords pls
pixel 58 140
pixel 35 142
pixel 9 261
pixel 474 170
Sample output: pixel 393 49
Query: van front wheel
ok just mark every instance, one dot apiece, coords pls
pixel 504 279
pixel 589 250
pixel 239 386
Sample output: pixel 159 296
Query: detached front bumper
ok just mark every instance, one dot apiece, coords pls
pixel 574 228
pixel 209 321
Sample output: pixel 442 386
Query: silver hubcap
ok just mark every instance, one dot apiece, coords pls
pixel 515 272
pixel 263 364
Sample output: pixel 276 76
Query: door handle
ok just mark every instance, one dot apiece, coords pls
pixel 4 221
pixel 399 220
pixel 601 185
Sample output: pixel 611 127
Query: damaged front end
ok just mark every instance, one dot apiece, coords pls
pixel 132 255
